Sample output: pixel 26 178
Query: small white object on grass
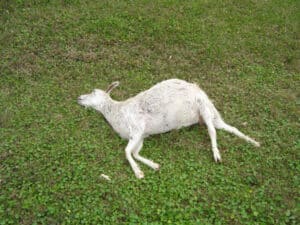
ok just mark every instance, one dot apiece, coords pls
pixel 105 176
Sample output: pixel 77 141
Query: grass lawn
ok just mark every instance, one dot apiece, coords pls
pixel 243 53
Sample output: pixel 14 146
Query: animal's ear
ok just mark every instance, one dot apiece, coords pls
pixel 112 86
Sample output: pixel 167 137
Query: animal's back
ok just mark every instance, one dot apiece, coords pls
pixel 169 105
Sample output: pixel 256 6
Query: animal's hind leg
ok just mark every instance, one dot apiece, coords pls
pixel 222 125
pixel 147 162
pixel 213 137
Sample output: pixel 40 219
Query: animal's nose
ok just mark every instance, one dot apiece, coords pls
pixel 79 98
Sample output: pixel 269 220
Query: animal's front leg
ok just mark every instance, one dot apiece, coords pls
pixel 131 146
pixel 147 162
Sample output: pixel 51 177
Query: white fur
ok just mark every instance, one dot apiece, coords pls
pixel 168 105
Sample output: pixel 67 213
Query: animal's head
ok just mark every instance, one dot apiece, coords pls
pixel 98 97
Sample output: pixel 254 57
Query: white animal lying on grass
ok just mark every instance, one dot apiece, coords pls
pixel 168 105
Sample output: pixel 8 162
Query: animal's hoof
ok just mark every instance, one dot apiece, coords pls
pixel 139 175
pixel 257 144
pixel 217 158
pixel 156 166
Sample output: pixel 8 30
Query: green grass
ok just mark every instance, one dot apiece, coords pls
pixel 244 54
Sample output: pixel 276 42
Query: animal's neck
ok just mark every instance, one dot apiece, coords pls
pixel 110 110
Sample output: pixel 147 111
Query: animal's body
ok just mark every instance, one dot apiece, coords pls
pixel 168 105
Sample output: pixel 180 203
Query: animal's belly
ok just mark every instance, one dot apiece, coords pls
pixel 170 121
